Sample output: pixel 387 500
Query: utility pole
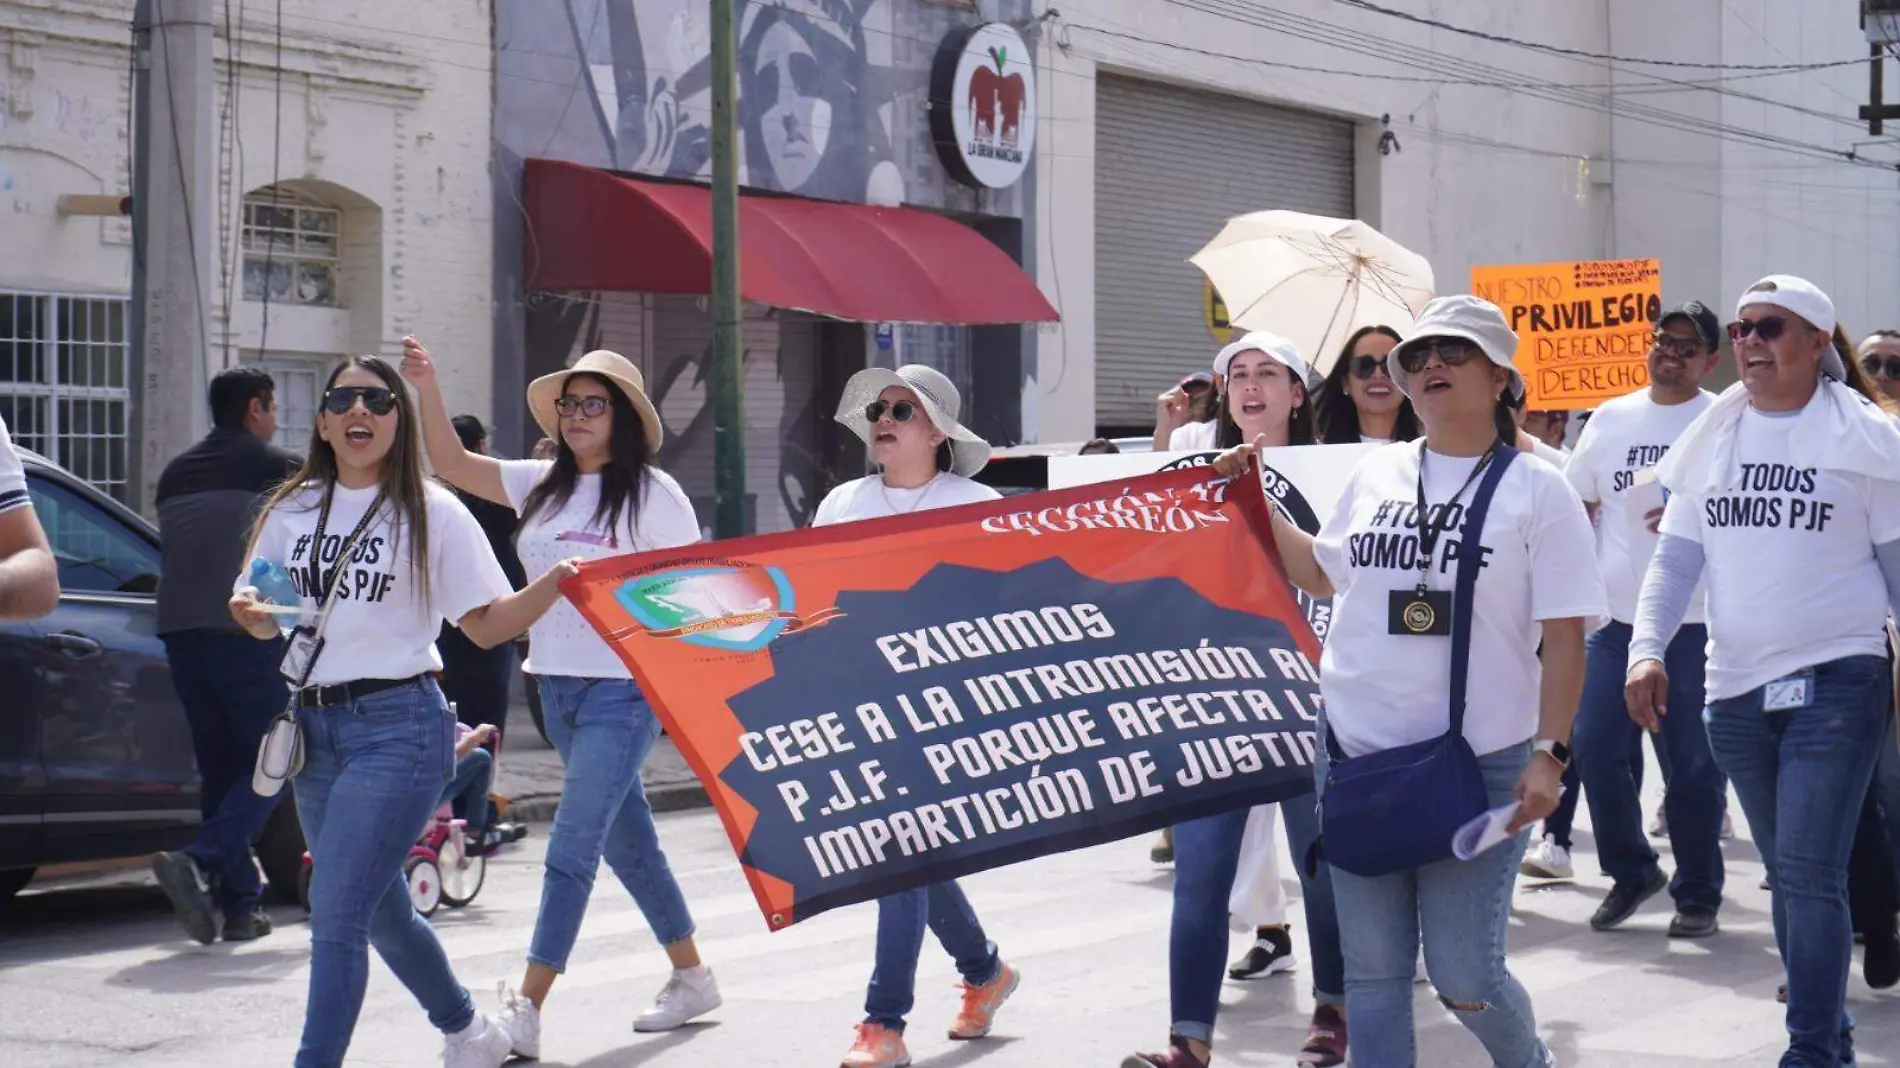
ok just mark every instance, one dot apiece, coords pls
pixel 173 213
pixel 726 377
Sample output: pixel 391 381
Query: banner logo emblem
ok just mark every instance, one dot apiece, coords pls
pixel 736 608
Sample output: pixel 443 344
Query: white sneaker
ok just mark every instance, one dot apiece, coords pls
pixel 1548 860
pixel 521 1020
pixel 482 1044
pixel 685 996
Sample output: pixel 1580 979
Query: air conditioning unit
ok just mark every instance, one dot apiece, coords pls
pixel 1881 20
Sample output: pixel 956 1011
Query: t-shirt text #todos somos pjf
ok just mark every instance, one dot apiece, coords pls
pixel 382 625
pixel 1536 559
pixel 1789 546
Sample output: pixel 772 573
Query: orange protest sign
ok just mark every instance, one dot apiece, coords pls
pixel 1583 329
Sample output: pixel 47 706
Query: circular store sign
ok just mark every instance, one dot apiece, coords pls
pixel 983 105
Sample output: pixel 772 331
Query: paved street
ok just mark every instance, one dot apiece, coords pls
pixel 96 975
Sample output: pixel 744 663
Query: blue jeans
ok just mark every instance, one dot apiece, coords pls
pixel 901 919
pixel 373 772
pixel 1802 776
pixel 1206 854
pixel 469 785
pixel 231 691
pixel 603 730
pixel 1462 909
pixel 1697 793
pixel 1887 781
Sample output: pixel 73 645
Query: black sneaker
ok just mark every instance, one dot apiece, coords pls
pixel 1162 852
pixel 189 889
pixel 247 929
pixel 1881 963
pixel 1694 921
pixel 1623 901
pixel 1272 952
pixel 1781 995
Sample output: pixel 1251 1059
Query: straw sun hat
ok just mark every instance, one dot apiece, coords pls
pixel 615 368
pixel 939 399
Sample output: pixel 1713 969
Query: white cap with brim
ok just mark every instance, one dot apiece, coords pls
pixel 1282 351
pixel 1472 319
pixel 940 400
pixel 1799 297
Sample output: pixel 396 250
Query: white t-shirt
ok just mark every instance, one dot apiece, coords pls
pixel 561 642
pixel 1792 578
pixel 1383 690
pixel 381 628
pixel 1194 437
pixel 1625 438
pixel 12 474
pixel 870 498
pixel 1556 458
pixel 1367 439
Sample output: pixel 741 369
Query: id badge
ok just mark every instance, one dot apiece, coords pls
pixel 299 653
pixel 1419 613
pixel 1789 692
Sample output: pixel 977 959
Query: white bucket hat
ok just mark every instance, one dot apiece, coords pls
pixel 940 401
pixel 1282 351
pixel 1473 319
pixel 1803 298
pixel 615 368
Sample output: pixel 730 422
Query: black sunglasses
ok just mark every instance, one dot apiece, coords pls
pixel 1450 351
pixel 1768 328
pixel 900 412
pixel 339 399
pixel 1879 368
pixel 591 407
pixel 1671 345
pixel 1364 366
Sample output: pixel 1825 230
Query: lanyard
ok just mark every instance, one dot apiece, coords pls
pixel 1429 530
pixel 318 588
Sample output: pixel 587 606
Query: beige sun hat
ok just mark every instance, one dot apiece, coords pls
pixel 615 368
pixel 940 400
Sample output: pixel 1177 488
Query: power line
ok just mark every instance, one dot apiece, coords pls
pixel 276 173
pixel 1557 50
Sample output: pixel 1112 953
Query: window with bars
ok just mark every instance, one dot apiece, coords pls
pixel 63 390
pixel 291 249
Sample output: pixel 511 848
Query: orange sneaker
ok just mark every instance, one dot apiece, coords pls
pixel 877 1046
pixel 981 1002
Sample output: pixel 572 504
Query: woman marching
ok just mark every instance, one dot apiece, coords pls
pixel 1387 671
pixel 1359 402
pixel 386 556
pixel 908 419
pixel 1266 403
pixel 599 496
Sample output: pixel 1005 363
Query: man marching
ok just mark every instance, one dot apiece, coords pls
pixel 1613 471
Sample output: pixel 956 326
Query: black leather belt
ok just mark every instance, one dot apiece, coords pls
pixel 344 693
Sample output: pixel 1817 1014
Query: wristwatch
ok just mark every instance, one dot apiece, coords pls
pixel 1554 749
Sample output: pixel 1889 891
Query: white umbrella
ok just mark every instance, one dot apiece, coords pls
pixel 1314 280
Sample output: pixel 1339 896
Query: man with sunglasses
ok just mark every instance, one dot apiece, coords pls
pixel 229 683
pixel 1613 470
pixel 1880 361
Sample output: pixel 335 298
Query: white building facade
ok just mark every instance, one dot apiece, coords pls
pixel 1162 118
pixel 353 206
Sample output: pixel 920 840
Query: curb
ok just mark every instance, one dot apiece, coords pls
pixel 679 797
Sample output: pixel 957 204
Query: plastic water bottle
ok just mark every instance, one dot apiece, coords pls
pixel 274 587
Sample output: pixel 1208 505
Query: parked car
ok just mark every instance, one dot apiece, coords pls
pixel 95 753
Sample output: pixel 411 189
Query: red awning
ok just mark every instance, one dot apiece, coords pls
pixel 595 230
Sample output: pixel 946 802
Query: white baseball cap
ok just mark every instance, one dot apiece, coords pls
pixel 1280 349
pixel 1473 319
pixel 1803 298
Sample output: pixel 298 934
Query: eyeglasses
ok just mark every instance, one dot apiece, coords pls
pixel 1670 345
pixel 1879 368
pixel 1366 366
pixel 901 412
pixel 340 399
pixel 591 407
pixel 1768 328
pixel 1450 351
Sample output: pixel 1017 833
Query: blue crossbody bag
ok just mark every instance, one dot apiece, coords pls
pixel 1398 809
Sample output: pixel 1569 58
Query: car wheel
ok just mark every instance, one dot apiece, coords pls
pixel 533 690
pixel 12 881
pixel 280 849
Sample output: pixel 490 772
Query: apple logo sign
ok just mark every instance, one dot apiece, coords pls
pixel 983 105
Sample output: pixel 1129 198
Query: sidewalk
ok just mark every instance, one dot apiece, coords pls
pixel 531 773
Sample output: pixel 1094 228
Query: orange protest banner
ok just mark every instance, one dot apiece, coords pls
pixel 1583 328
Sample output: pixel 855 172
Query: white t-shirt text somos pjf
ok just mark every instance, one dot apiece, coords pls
pixel 561 642
pixel 1626 437
pixel 1383 690
pixel 381 628
pixel 1791 574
